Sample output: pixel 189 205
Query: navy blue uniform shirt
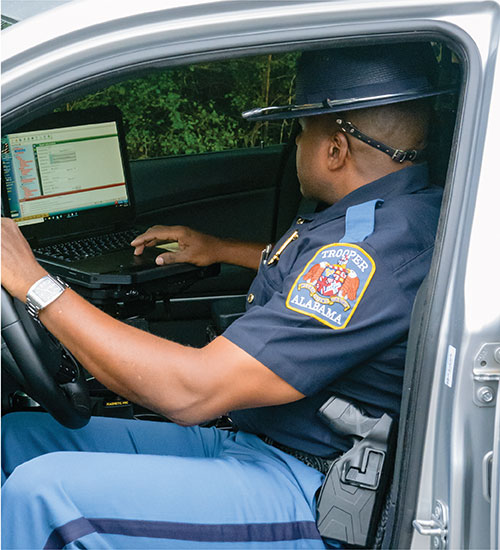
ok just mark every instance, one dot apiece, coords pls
pixel 332 317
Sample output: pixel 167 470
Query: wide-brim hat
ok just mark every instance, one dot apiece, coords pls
pixel 348 78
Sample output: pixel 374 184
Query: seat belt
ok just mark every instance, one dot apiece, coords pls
pixel 351 497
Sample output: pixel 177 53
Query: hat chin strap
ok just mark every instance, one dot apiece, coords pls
pixel 397 155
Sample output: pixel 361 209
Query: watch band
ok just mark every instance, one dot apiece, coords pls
pixel 42 293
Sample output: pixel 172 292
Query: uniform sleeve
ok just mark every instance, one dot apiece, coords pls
pixel 334 312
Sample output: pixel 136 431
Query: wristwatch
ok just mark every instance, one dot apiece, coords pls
pixel 42 293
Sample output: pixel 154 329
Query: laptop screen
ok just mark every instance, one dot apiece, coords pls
pixel 64 176
pixel 62 171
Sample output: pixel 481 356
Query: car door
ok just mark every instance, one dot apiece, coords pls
pixel 446 483
pixel 491 466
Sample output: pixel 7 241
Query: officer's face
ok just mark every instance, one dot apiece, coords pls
pixel 312 158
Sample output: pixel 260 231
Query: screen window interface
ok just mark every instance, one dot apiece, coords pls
pixel 57 173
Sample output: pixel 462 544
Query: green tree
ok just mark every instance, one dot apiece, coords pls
pixel 197 108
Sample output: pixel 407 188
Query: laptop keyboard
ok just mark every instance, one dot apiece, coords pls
pixel 79 249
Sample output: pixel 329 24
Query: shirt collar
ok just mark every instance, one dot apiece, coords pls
pixel 402 182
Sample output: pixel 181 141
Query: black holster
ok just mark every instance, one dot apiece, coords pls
pixel 350 499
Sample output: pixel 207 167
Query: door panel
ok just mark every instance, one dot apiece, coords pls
pixel 230 194
pixel 242 215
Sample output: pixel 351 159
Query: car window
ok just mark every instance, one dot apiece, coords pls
pixel 197 108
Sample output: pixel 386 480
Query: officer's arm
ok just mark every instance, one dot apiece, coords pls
pixel 188 385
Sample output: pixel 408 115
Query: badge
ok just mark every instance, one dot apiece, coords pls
pixel 332 284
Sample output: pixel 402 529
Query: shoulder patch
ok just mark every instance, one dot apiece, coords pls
pixel 332 284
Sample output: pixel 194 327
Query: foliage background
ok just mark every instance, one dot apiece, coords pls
pixel 197 108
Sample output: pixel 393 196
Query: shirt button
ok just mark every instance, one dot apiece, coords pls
pixel 300 221
pixel 250 298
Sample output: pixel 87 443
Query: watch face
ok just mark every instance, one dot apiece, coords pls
pixel 46 291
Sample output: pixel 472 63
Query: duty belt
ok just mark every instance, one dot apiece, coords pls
pixel 319 463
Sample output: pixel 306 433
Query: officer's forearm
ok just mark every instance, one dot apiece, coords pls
pixel 244 254
pixel 188 385
pixel 126 360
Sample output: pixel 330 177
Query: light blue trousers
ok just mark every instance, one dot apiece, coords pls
pixel 134 484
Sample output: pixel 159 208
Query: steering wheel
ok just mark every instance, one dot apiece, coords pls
pixel 42 366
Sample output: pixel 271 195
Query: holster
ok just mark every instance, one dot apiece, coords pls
pixel 350 499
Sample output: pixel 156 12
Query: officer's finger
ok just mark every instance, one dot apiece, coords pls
pixel 171 246
pixel 144 238
pixel 142 241
pixel 141 244
pixel 139 250
pixel 169 258
pixel 156 234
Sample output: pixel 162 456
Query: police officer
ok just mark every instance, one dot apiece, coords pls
pixel 327 313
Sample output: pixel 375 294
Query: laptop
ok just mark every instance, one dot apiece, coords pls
pixel 66 183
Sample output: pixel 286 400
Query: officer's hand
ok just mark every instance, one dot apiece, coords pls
pixel 187 245
pixel 19 267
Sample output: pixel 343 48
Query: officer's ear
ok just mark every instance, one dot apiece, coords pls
pixel 338 151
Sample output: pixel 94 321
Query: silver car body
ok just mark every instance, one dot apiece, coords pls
pixel 448 469
pixel 14 10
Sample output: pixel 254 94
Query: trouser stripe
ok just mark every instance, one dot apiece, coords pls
pixel 241 532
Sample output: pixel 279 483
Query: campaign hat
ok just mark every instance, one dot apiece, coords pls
pixel 356 77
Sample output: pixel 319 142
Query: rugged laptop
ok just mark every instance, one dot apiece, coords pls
pixel 66 182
